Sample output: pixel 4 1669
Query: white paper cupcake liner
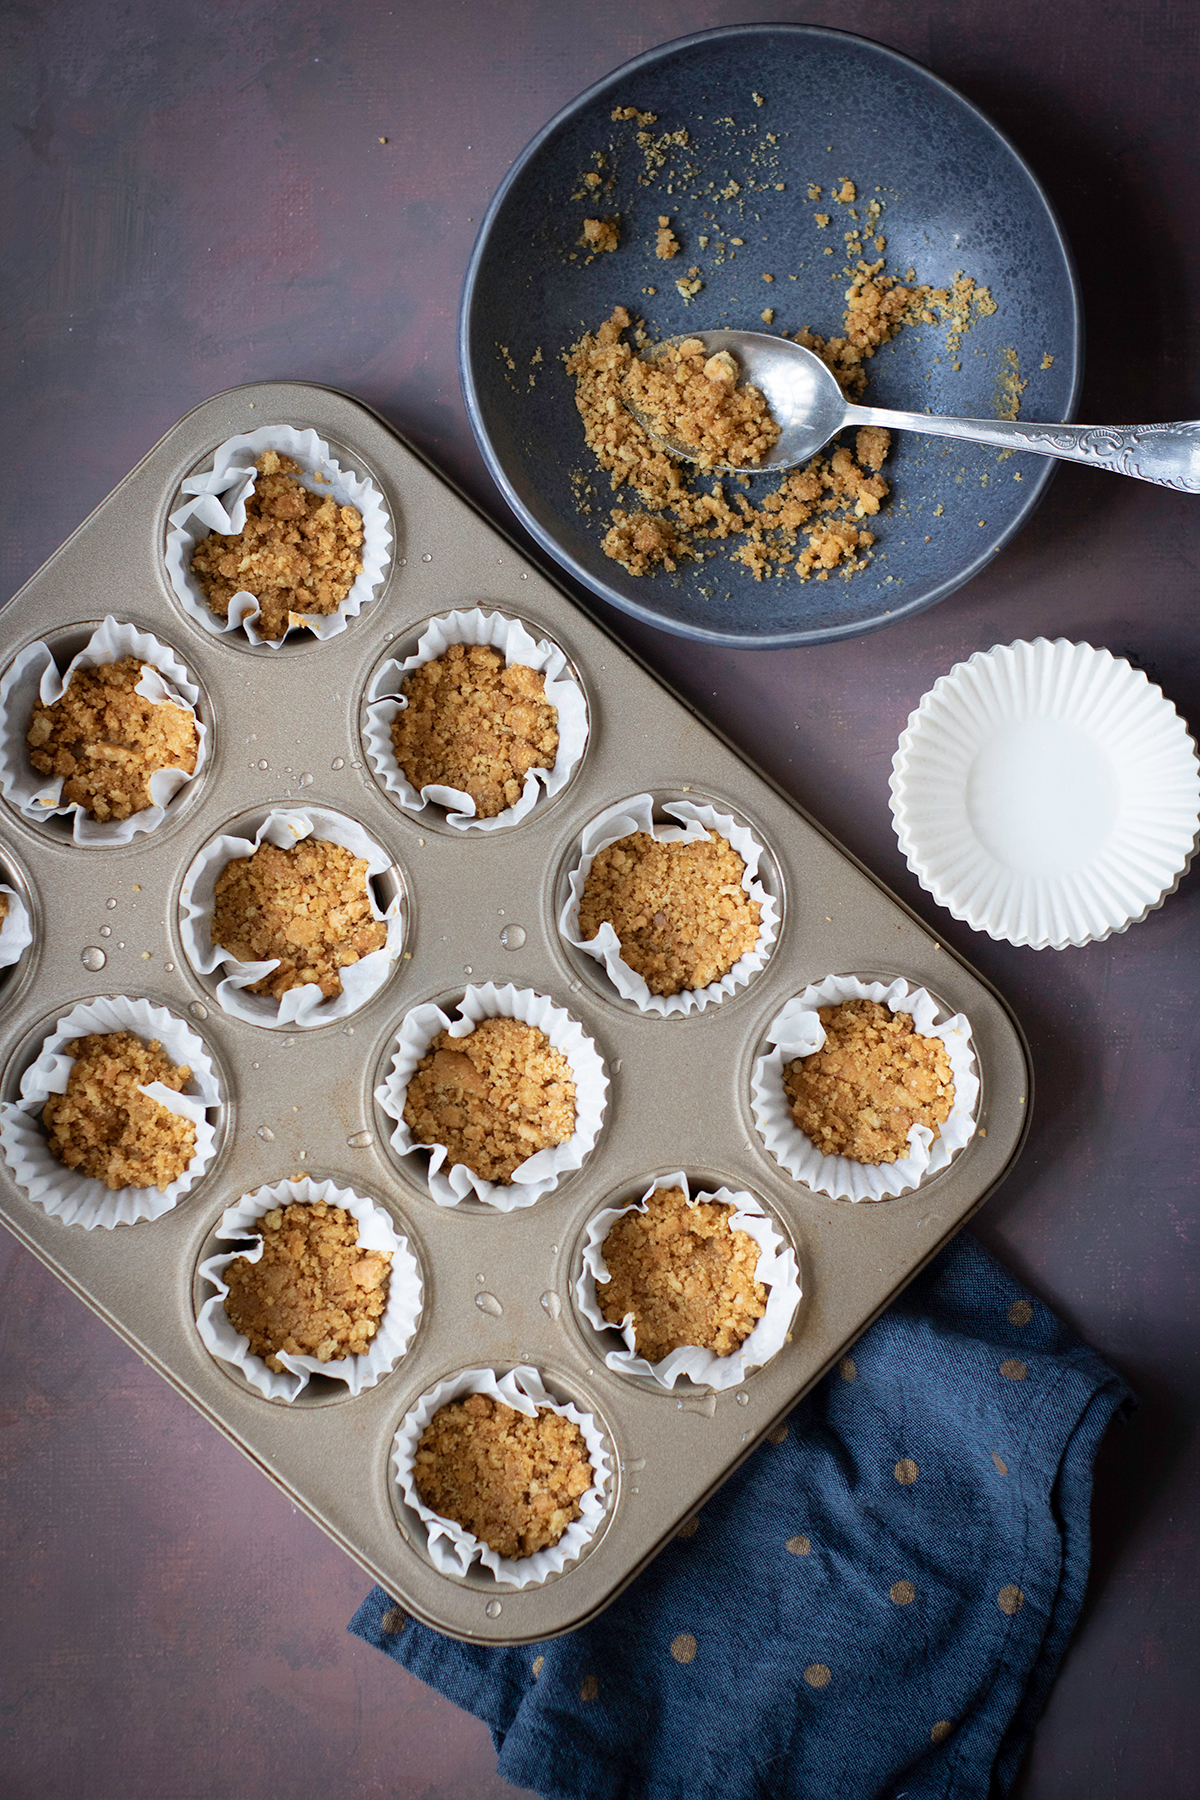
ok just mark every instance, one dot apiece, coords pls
pixel 217 502
pixel 776 1269
pixel 35 676
pixel 79 1199
pixel 1046 793
pixel 302 1006
pixel 397 1325
pixel 16 932
pixel 538 1174
pixel 453 1549
pixel 637 814
pixel 385 703
pixel 798 1031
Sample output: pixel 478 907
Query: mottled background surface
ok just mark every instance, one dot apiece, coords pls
pixel 196 196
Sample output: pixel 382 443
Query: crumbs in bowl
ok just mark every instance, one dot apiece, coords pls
pixel 510 1480
pixel 313 1292
pixel 700 401
pixel 873 1079
pixel 106 740
pixel 494 1098
pixel 105 1128
pixel 308 907
pixel 477 724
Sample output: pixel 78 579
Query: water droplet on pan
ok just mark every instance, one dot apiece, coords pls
pixel 265 1132
pixel 493 1609
pixel 170 968
pixel 551 1303
pixel 361 1140
pixel 111 905
pixel 197 1010
pixel 306 779
pixel 513 937
pixel 93 957
pixel 488 1303
pixel 106 931
pixel 742 1399
pixel 264 764
pixel 427 557
pixel 339 762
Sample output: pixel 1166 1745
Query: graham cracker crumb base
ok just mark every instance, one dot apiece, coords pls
pixel 104 1128
pixel 309 906
pixel 871 1081
pixel 476 724
pixel 494 1098
pixel 313 1292
pixel 106 740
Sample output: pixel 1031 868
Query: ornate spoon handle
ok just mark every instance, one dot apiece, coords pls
pixel 1166 454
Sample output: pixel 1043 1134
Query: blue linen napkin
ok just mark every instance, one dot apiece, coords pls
pixel 876 1603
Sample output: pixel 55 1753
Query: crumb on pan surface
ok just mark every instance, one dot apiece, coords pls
pixel 494 1098
pixel 680 911
pixel 298 552
pixel 512 1481
pixel 106 740
pixel 104 1128
pixel 309 906
pixel 313 1292
pixel 871 1081
pixel 685 1275
pixel 700 401
pixel 476 724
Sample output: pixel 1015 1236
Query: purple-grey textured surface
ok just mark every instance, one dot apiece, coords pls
pixel 198 196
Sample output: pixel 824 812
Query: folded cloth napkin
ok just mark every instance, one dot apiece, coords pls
pixel 874 1605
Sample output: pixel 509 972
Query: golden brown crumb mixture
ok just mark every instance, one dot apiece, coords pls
pixel 680 911
pixel 601 234
pixel 475 724
pixel 666 244
pixel 313 1292
pixel 106 741
pixel 871 1081
pixel 494 1097
pixel 298 552
pixel 699 401
pixel 512 1481
pixel 309 906
pixel 104 1128
pixel 685 1275
pixel 3 908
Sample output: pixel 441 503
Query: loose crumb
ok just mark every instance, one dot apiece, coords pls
pixel 494 1098
pixel 601 234
pixel 685 1275
pixel 105 1128
pixel 666 244
pixel 871 1081
pixel 477 724
pixel 513 1481
pixel 313 1292
pixel 308 906
pixel 106 740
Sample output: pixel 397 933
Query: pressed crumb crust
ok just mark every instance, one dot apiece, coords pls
pixel 309 906
pixel 106 741
pixel 494 1098
pixel 699 402
pixel 680 911
pixel 297 553
pixel 684 1274
pixel 313 1292
pixel 476 724
pixel 512 1481
pixel 871 1081
pixel 104 1128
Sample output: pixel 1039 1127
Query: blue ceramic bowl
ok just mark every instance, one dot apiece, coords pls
pixel 958 197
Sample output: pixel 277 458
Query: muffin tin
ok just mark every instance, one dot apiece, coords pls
pixel 285 731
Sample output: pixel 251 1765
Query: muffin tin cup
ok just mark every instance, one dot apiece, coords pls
pixel 82 1199
pixel 216 501
pixel 34 676
pixel 776 1269
pixel 797 1031
pixel 385 703
pixel 16 932
pixel 453 1549
pixel 301 1007
pixel 397 1326
pixel 538 1174
pixel 637 814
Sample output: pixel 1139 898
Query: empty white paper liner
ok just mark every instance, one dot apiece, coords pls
pixel 1046 793
pixel 396 1327
pixel 301 1006
pixel 34 676
pixel 79 1199
pixel 538 1174
pixel 776 1269
pixel 637 814
pixel 453 1549
pixel 16 933
pixel 385 702
pixel 797 1031
pixel 217 502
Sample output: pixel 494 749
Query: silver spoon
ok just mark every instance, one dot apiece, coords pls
pixel 809 406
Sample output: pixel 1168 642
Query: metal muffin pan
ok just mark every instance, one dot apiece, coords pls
pixel 479 907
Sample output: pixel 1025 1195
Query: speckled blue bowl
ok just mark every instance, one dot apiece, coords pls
pixel 957 197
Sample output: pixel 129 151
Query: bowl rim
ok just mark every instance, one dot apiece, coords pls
pixel 648 615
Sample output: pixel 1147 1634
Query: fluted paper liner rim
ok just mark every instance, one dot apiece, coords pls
pixel 16 929
pixel 797 1031
pixel 398 1322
